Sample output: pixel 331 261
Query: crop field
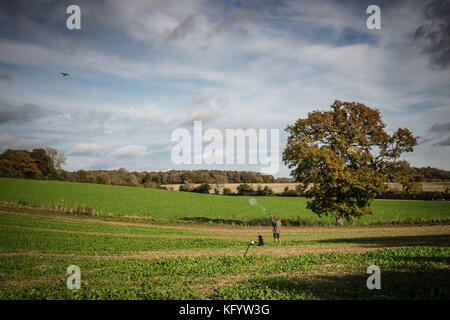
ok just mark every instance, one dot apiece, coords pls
pixel 137 260
pixel 137 245
pixel 168 206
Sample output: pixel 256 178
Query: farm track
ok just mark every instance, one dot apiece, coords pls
pixel 278 251
pixel 110 234
pixel 301 235
pixel 238 229
pixel 297 240
pixel 234 232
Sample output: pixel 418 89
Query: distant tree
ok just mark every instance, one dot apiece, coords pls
pixel 133 180
pixel 18 164
pixel 408 177
pixel 58 159
pixel 150 184
pixel 220 181
pixel 284 180
pixel 227 191
pixel 235 177
pixel 259 191
pixel 345 154
pixel 164 177
pixel 81 176
pixel 185 176
pixel 186 186
pixel 247 177
pixel 100 179
pixel 267 191
pixel 174 177
pixel 124 178
pixel 433 174
pixel 43 162
pixel 149 177
pixel 267 178
pixel 65 176
pixel 203 188
pixel 245 189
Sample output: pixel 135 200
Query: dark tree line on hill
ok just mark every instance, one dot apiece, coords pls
pixel 47 164
pixel 247 190
pixel 37 164
pixel 429 174
pixel 207 176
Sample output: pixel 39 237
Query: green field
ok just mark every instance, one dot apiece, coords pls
pixel 252 278
pixel 120 260
pixel 166 205
pixel 152 257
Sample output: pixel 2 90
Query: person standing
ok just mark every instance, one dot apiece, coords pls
pixel 276 223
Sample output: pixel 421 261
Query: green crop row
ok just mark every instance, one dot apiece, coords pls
pixel 81 226
pixel 23 240
pixel 406 273
pixel 54 234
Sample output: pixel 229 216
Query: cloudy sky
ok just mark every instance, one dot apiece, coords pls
pixel 141 69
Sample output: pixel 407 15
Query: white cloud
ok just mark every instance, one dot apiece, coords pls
pixel 241 68
pixel 130 151
pixel 12 142
pixel 6 140
pixel 86 149
pixel 204 115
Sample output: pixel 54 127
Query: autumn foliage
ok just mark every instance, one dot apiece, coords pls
pixel 21 164
pixel 344 156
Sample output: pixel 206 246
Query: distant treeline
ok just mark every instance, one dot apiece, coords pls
pixel 156 179
pixel 247 190
pixel 429 174
pixel 37 164
pixel 47 164
pixel 208 176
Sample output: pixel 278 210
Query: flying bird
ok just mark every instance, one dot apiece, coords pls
pixel 64 74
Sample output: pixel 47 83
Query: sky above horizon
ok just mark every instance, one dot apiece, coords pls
pixel 141 69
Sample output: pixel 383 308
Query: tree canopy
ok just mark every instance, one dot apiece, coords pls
pixel 18 164
pixel 342 157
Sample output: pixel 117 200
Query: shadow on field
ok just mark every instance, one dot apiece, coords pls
pixel 419 284
pixel 442 240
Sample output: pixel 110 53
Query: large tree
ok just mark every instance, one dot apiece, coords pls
pixel 343 156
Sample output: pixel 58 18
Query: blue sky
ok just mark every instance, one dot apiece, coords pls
pixel 141 69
